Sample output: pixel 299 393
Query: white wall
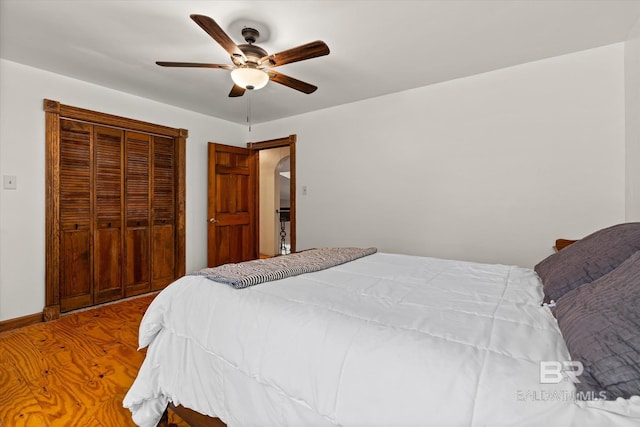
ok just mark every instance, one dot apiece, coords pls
pixel 22 143
pixel 632 101
pixel 491 168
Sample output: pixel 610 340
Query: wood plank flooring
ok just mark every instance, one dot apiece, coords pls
pixel 73 371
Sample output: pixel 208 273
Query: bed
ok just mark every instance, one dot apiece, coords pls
pixel 392 340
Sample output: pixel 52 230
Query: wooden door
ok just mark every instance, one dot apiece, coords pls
pixel 115 207
pixel 163 231
pixel 231 205
pixel 137 249
pixel 76 172
pixel 108 204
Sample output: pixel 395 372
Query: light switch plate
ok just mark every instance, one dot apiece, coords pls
pixel 10 182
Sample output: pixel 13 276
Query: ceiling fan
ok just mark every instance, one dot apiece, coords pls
pixel 252 66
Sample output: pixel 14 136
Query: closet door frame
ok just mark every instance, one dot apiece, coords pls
pixel 54 111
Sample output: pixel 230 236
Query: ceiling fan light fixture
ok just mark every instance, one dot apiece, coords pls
pixel 250 78
pixel 252 65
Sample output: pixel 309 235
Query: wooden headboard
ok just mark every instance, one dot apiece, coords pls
pixel 563 243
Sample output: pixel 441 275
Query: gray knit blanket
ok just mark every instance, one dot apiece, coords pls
pixel 249 273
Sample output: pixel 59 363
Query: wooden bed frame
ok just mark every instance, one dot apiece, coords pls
pixel 191 417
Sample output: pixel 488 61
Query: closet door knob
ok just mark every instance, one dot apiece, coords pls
pixel 213 220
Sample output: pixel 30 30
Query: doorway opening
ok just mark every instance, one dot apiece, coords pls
pixel 275 202
pixel 276 190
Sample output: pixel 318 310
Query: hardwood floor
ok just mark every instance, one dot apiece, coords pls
pixel 73 371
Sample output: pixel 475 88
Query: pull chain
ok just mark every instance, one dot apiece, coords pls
pixel 249 109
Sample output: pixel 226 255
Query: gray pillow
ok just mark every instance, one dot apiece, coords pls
pixel 588 259
pixel 600 323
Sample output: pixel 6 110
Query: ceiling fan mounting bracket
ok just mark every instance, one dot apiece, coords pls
pixel 239 24
pixel 250 35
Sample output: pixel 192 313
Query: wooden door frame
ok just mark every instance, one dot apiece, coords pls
pixel 54 111
pixel 289 141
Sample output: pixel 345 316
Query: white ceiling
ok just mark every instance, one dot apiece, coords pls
pixel 377 47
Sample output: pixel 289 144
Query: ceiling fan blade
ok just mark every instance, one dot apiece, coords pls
pixel 291 82
pixel 236 91
pixel 300 53
pixel 193 64
pixel 218 34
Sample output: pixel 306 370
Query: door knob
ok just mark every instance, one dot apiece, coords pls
pixel 213 220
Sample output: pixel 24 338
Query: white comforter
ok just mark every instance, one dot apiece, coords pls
pixel 386 340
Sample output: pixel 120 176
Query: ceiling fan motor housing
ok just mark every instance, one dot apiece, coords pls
pixel 252 52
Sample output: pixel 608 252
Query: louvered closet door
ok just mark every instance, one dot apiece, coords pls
pixel 76 264
pixel 137 196
pixel 114 196
pixel 108 229
pixel 163 208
